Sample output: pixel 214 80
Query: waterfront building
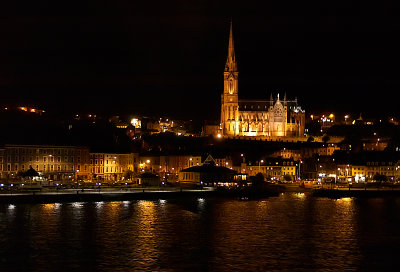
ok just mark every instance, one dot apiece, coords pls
pixel 97 166
pixel 149 164
pixel 279 169
pixel 271 118
pixel 117 165
pixel 223 161
pixel 82 164
pixel 171 165
pixel 208 174
pixel 112 166
pixel 51 162
pixel 365 166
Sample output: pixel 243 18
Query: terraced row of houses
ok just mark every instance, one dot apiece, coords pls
pixel 77 163
pixel 72 163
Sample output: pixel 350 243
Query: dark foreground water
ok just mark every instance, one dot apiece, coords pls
pixel 292 232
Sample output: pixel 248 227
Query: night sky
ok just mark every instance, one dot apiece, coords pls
pixel 167 57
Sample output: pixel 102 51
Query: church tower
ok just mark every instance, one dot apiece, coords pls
pixel 229 98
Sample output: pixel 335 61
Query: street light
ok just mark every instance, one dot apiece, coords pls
pixel 259 165
pixel 48 168
pixel 300 168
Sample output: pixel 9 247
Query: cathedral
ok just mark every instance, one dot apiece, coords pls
pixel 275 117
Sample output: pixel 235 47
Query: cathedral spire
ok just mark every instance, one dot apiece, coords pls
pixel 231 48
pixel 231 59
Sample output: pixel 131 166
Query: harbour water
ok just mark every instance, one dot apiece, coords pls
pixel 291 232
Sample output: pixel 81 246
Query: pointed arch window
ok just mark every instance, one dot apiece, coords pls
pixel 231 86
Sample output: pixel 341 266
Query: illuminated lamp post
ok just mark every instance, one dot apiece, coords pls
pixel 148 162
pixel 259 165
pixel 345 119
pixel 48 168
pixel 300 169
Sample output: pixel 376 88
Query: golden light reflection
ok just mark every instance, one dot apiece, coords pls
pixel 345 200
pixel 147 207
pixel 263 206
pixel 300 195
pixel 146 231
pixel 115 205
pixel 49 220
pixel 112 208
pixel 343 219
pixel 49 207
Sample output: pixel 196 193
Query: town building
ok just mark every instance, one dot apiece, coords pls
pixel 365 167
pixel 171 165
pixel 97 166
pixel 208 174
pixel 113 166
pixel 51 162
pixel 277 169
pixel 271 118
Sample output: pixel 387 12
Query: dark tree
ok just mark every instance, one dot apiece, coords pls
pixel 380 177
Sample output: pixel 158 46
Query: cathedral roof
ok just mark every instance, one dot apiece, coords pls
pixel 263 105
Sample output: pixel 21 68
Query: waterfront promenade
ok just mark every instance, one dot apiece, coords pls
pixel 117 194
pixel 148 193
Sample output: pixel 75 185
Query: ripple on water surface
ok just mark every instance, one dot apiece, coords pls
pixel 289 232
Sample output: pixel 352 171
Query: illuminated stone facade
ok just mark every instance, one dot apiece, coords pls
pixel 112 166
pixel 261 118
pixel 51 162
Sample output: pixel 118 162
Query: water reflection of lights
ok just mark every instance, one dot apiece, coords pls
pixel 147 217
pixel 77 205
pixel 146 231
pixel 345 200
pixel 262 204
pixel 11 209
pixel 300 195
pixel 99 204
pixel 201 203
pixel 126 203
pixel 49 206
pixel 114 206
pixel 146 204
pixel 345 204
